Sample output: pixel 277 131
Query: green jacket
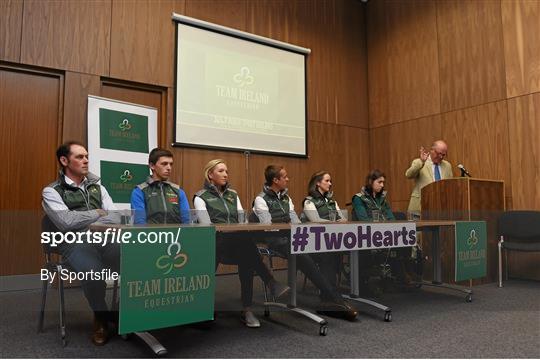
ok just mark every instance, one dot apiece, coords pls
pixel 159 202
pixel 364 204
pixel 324 204
pixel 222 208
pixel 278 204
pixel 77 199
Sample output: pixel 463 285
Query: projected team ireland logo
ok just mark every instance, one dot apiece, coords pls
pixel 244 77
pixel 169 261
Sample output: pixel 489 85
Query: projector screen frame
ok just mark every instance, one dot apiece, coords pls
pixel 223 30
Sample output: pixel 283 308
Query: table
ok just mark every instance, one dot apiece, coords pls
pixel 433 226
pixel 291 268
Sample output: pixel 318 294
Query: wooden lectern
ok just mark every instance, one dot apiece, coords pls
pixel 465 199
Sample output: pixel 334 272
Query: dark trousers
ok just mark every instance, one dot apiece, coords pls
pixel 238 250
pixel 320 269
pixel 86 257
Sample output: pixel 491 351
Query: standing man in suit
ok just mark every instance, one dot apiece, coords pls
pixel 429 167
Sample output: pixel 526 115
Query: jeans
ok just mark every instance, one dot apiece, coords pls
pixel 320 269
pixel 237 250
pixel 86 257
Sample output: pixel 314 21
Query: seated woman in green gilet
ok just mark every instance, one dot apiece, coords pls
pixel 371 204
pixel 320 206
pixel 217 203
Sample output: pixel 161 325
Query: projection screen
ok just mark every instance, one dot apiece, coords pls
pixel 239 91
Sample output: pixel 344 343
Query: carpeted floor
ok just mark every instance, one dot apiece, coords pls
pixel 427 323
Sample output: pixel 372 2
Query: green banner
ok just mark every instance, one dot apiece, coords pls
pixel 169 283
pixel 123 131
pixel 121 178
pixel 471 247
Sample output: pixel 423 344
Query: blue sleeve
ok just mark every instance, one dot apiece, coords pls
pixel 359 209
pixel 138 206
pixel 184 207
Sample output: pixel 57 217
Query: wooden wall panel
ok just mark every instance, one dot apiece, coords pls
pixel 350 98
pixel 11 15
pixel 394 147
pixel 77 88
pixel 347 159
pixel 356 153
pixel 142 40
pixel 521 26
pixel 317 28
pixel 402 61
pixel 338 95
pixel 478 138
pixel 70 35
pixel 524 130
pixel 275 19
pixel 471 55
pixel 29 118
pixel 231 13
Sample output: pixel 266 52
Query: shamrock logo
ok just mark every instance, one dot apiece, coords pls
pixel 243 78
pixel 126 176
pixel 472 240
pixel 170 261
pixel 124 125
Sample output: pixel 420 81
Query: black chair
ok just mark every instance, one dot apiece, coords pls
pixel 56 266
pixel 518 231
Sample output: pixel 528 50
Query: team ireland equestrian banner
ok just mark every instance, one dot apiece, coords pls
pixel 120 178
pixel 120 130
pixel 167 277
pixel 120 136
pixel 312 238
pixel 471 250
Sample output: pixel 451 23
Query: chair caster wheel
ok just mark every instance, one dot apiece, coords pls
pixel 323 330
pixel 468 298
pixel 388 316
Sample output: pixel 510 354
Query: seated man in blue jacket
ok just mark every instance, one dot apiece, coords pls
pixel 157 200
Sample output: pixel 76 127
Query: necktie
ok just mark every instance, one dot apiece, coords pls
pixel 437 173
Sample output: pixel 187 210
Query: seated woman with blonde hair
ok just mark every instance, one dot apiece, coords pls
pixel 217 203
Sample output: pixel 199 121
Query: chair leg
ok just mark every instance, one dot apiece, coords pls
pixel 115 304
pixel 506 264
pixel 43 301
pixel 62 307
pixel 499 245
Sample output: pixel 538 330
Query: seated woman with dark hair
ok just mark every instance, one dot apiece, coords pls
pixel 320 206
pixel 371 204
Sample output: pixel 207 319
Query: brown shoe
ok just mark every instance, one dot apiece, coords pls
pixel 101 333
pixel 339 308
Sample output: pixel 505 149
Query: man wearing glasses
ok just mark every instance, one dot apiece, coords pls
pixel 429 167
